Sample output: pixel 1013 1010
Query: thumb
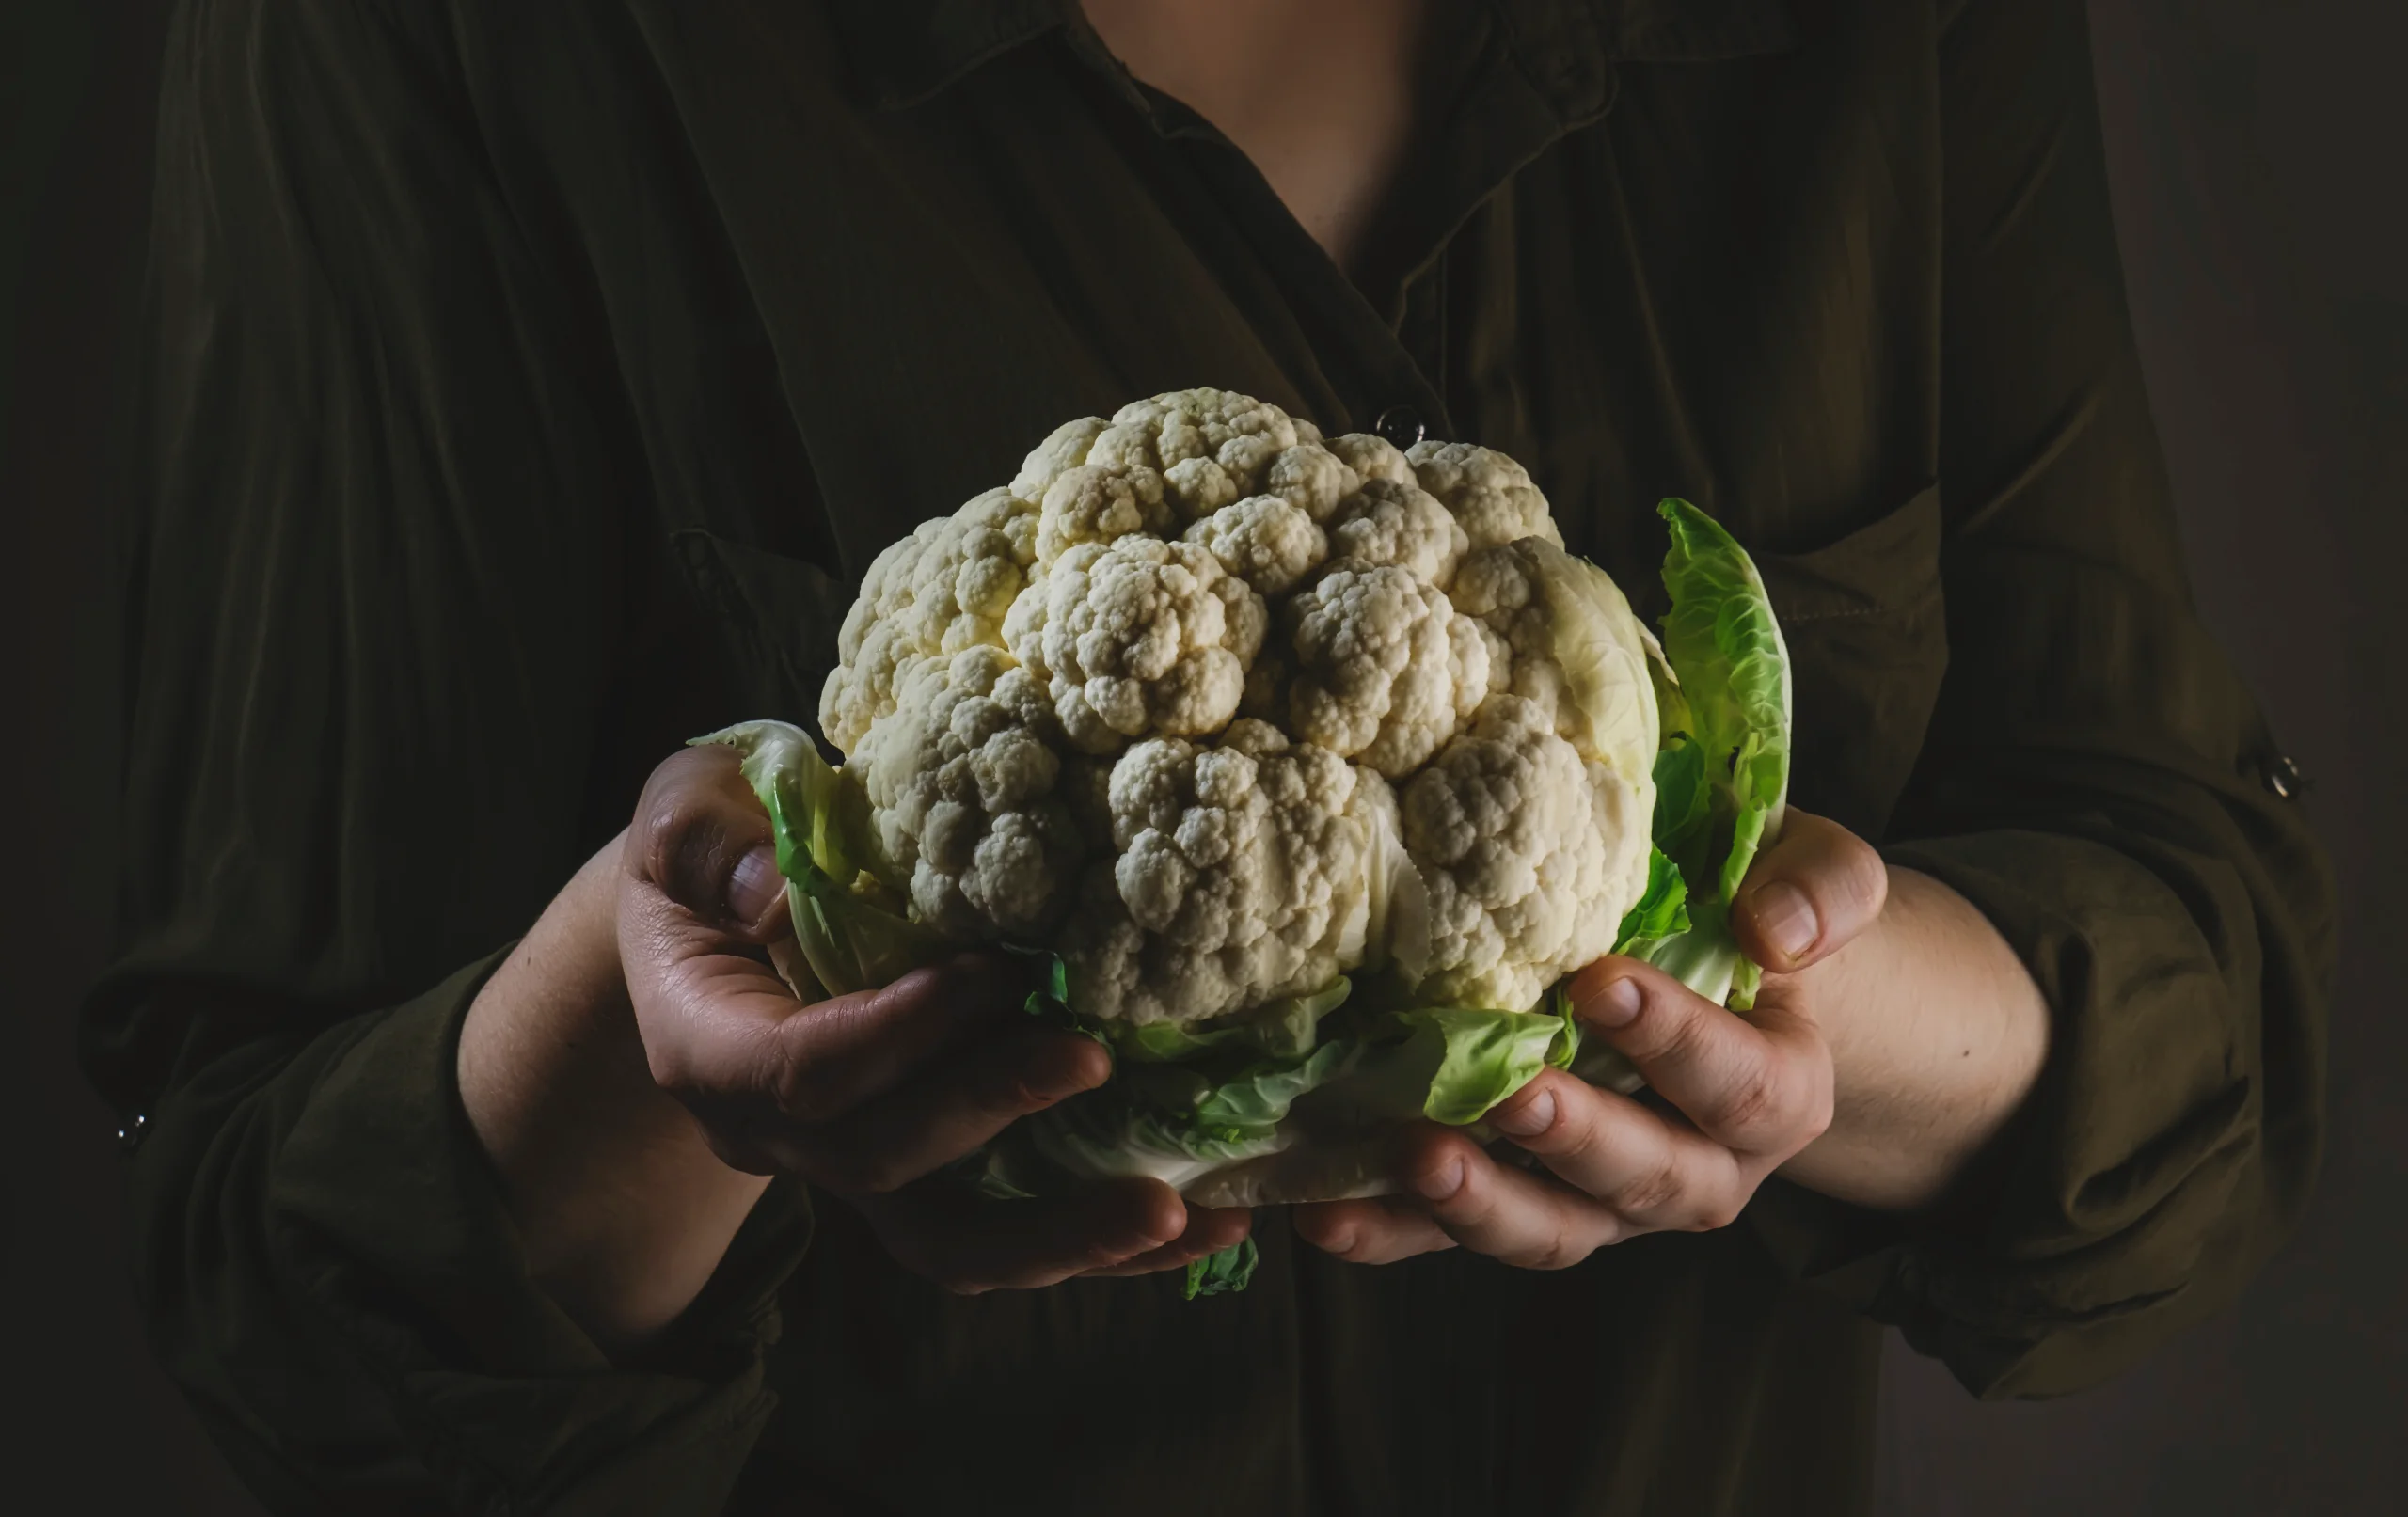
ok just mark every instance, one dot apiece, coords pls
pixel 702 838
pixel 1809 895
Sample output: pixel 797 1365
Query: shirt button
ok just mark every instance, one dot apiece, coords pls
pixel 1400 425
pixel 130 1136
pixel 2282 777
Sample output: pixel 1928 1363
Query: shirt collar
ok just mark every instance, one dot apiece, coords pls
pixel 906 51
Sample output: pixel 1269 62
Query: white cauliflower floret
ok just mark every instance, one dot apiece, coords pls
pixel 1384 674
pixel 1525 594
pixel 1264 541
pixel 1242 876
pixel 1530 855
pixel 1489 493
pixel 1372 457
pixel 1140 637
pixel 946 587
pixel 1065 449
pixel 1207 448
pixel 1073 727
pixel 1237 432
pixel 1094 503
pixel 1403 525
pixel 1197 487
pixel 966 804
pixel 1311 478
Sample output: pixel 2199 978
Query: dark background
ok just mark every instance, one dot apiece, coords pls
pixel 2260 154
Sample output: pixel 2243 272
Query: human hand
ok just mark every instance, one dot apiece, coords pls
pixel 866 1095
pixel 1733 1096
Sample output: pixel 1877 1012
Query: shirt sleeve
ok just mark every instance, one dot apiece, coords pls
pixel 385 578
pixel 2098 783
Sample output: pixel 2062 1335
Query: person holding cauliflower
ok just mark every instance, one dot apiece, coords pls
pixel 1233 901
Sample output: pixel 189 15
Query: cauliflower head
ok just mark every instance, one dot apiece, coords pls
pixel 1223 710
pixel 1306 767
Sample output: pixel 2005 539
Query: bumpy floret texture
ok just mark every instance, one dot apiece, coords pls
pixel 1239 876
pixel 1138 636
pixel 1529 853
pixel 1158 702
pixel 946 587
pixel 1511 591
pixel 1489 493
pixel 966 803
pixel 1263 539
pixel 1386 671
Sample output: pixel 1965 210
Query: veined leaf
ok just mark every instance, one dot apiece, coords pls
pixel 1230 1270
pixel 1722 778
pixel 851 939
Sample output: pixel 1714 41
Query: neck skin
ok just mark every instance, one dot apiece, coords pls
pixel 1320 94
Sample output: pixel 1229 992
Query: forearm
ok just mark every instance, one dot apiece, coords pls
pixel 621 1209
pixel 1937 1035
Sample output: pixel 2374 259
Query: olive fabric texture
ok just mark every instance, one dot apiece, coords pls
pixel 528 384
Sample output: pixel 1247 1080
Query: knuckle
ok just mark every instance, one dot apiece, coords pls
pixel 1560 1250
pixel 1764 1099
pixel 667 828
pixel 1653 1191
pixel 1678 1033
pixel 1865 877
pixel 1716 1215
pixel 1014 1091
pixel 670 1067
pixel 805 1093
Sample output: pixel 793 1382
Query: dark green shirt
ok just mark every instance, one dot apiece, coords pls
pixel 530 384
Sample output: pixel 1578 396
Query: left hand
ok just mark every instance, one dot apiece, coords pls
pixel 1737 1096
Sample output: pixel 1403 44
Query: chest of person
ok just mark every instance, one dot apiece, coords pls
pixel 1701 261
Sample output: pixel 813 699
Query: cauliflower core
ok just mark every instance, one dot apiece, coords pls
pixel 1169 700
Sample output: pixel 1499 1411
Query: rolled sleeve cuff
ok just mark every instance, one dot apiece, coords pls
pixel 393 1224
pixel 2087 1230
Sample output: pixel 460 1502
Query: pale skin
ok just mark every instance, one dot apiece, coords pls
pixel 636 1071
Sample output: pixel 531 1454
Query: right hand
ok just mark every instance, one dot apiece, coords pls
pixel 863 1096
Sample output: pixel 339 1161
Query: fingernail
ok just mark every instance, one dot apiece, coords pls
pixel 1531 1119
pixel 1784 916
pixel 1615 1006
pixel 753 887
pixel 1443 1181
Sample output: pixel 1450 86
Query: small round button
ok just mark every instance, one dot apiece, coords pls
pixel 1400 425
pixel 129 1137
pixel 2282 777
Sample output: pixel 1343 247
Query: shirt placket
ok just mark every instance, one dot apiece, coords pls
pixel 1383 349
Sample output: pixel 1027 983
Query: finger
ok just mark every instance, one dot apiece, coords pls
pixel 702 839
pixel 1210 1230
pixel 726 1027
pixel 1654 1172
pixel 938 1116
pixel 1529 1221
pixel 971 1245
pixel 1809 895
pixel 1379 1230
pixel 1760 1087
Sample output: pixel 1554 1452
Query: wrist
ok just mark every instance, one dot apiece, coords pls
pixel 622 1210
pixel 1937 1033
pixel 551 1024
